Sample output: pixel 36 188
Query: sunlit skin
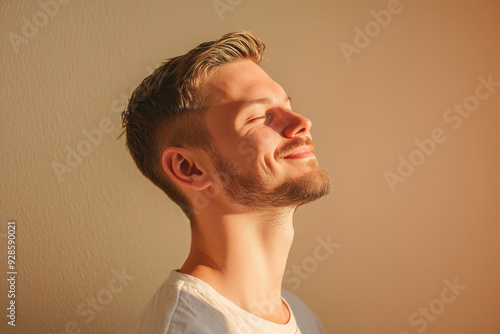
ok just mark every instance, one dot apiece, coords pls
pixel 241 245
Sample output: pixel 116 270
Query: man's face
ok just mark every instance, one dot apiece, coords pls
pixel 263 150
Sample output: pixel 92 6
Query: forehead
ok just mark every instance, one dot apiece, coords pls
pixel 241 81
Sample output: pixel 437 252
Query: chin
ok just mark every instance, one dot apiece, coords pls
pixel 306 188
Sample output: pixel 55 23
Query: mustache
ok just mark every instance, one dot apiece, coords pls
pixel 292 145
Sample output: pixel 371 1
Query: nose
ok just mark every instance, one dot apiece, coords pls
pixel 290 124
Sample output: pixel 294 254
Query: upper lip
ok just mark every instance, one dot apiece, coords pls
pixel 302 149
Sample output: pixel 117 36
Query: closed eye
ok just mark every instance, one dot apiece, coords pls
pixel 257 118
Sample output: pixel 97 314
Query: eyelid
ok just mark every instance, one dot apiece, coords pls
pixel 256 118
pixel 266 115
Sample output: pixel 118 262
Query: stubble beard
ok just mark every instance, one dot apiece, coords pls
pixel 252 191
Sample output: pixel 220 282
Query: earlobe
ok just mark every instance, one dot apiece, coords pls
pixel 179 163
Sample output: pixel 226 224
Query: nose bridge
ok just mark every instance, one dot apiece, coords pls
pixel 293 124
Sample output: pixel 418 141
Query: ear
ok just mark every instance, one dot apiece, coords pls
pixel 180 164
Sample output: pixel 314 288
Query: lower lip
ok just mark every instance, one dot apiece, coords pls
pixel 301 155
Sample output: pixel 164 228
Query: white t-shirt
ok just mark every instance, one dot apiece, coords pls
pixel 185 304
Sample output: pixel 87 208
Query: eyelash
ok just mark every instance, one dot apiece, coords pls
pixel 256 118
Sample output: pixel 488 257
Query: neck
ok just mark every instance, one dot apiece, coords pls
pixel 243 257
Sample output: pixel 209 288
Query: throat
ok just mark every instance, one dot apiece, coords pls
pixel 244 260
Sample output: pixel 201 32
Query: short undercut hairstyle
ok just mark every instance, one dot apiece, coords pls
pixel 167 109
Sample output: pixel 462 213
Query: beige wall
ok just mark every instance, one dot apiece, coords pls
pixel 394 248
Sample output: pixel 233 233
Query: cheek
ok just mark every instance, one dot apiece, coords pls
pixel 222 131
pixel 265 143
pixel 259 145
pixel 228 144
pixel 223 138
pixel 267 139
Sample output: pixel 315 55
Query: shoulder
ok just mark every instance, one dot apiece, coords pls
pixel 307 320
pixel 179 307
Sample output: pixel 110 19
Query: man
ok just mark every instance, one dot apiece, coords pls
pixel 219 136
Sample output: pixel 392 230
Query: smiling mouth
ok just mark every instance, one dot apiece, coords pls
pixel 301 153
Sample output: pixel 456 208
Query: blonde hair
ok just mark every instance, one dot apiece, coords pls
pixel 168 107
